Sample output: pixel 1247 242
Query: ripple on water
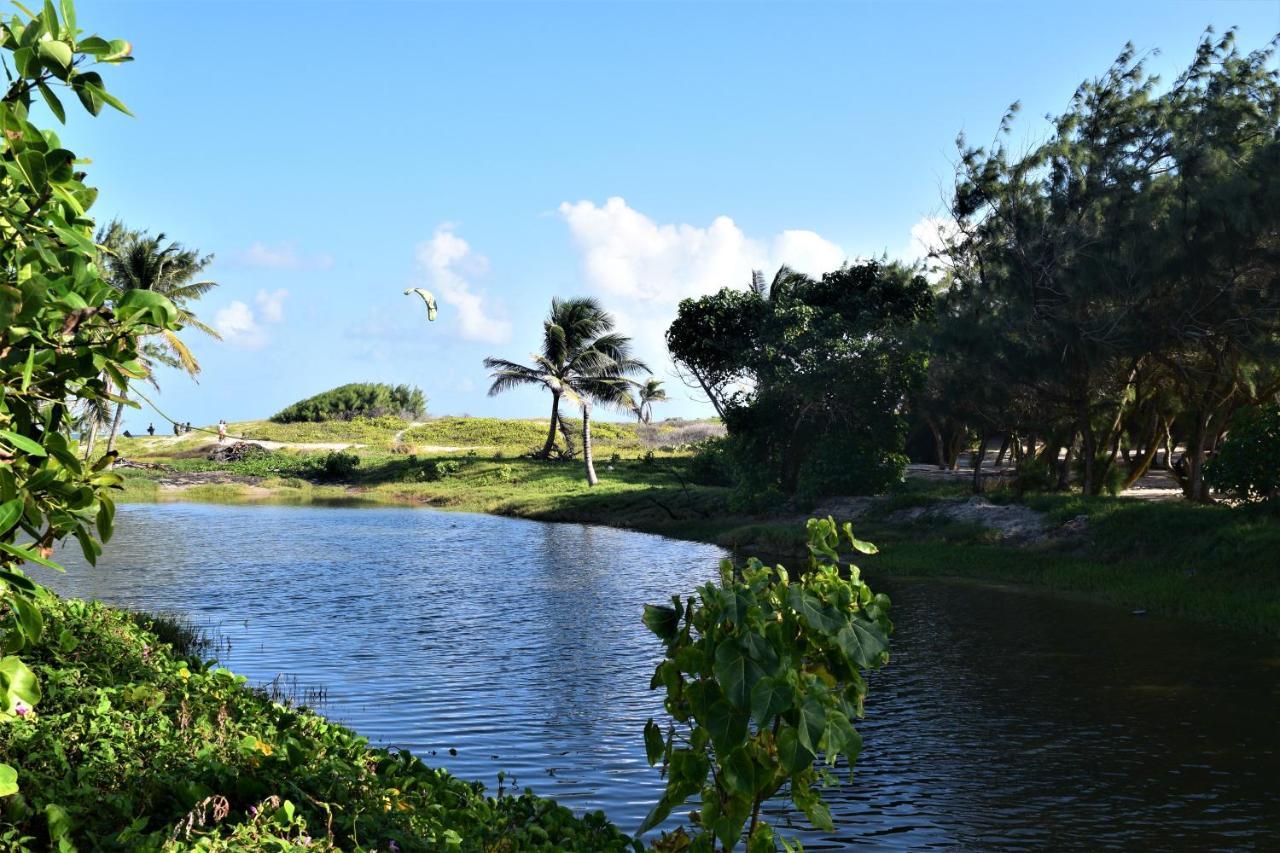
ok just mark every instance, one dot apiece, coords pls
pixel 1005 719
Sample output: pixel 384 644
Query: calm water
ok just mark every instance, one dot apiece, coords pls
pixel 1005 720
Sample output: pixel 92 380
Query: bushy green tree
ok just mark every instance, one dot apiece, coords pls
pixel 811 375
pixel 1114 285
pixel 356 400
pixel 66 336
pixel 1247 466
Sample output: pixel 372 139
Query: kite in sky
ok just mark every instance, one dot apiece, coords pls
pixel 427 298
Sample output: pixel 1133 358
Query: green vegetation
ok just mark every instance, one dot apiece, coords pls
pixel 67 336
pixel 1111 292
pixel 134 746
pixel 357 400
pixel 1247 467
pixel 827 363
pixel 784 654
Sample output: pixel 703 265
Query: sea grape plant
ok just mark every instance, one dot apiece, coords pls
pixel 763 675
pixel 67 339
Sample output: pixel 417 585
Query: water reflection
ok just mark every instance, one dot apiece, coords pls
pixel 1005 719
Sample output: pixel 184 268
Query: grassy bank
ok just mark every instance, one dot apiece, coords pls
pixel 134 746
pixel 1208 564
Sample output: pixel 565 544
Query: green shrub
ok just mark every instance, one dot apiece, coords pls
pixel 763 674
pixel 357 400
pixel 339 465
pixel 1034 475
pixel 433 470
pixel 710 464
pixel 1247 466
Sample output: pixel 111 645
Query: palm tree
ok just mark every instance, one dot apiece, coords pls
pixel 650 392
pixel 583 360
pixel 134 260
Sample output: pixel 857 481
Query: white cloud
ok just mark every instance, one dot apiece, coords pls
pixel 449 264
pixel 644 268
pixel 282 256
pixel 241 327
pixel 271 304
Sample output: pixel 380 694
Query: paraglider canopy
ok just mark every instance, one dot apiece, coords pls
pixel 427 298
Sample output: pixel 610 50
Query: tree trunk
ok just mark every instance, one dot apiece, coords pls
pixel 1004 448
pixel 1167 463
pixel 93 434
pixel 977 463
pixel 115 427
pixel 1064 472
pixel 939 452
pixel 551 433
pixel 1195 487
pixel 1089 447
pixel 586 444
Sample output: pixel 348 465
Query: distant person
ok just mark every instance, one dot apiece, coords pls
pixel 151 429
pixel 222 431
pixel 177 428
pixel 187 428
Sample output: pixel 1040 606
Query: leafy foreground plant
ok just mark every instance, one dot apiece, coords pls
pixel 763 675
pixel 135 747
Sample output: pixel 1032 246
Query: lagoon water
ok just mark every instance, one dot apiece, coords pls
pixel 1006 719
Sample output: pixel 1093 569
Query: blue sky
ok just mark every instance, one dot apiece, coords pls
pixel 333 154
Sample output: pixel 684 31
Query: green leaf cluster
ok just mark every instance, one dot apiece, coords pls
pixel 763 677
pixel 63 343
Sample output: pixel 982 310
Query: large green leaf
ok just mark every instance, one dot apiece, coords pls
pixel 655 746
pixel 812 723
pixel 30 620
pixel 863 642
pixel 10 512
pixel 56 52
pixel 736 672
pixel 26 445
pixel 728 725
pixel 769 698
pixel 794 755
pixel 8 781
pixel 148 305
pixel 662 620
pixel 29 555
pixel 819 615
pixel 17 682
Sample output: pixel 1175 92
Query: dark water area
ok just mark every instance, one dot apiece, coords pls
pixel 1007 719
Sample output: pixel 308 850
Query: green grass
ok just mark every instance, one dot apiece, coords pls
pixel 133 746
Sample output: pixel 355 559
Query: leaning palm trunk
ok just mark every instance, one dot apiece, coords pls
pixel 586 444
pixel 93 433
pixel 551 432
pixel 115 426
